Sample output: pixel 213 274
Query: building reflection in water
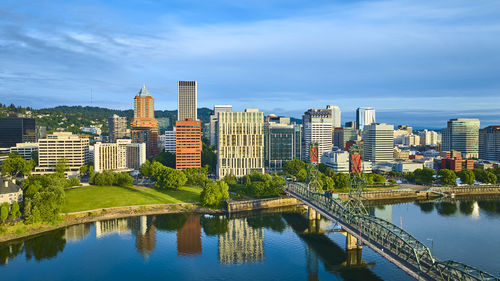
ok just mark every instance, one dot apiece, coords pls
pixel 241 243
pixel 384 212
pixel 77 232
pixel 189 237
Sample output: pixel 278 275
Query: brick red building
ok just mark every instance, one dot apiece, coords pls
pixel 457 164
pixel 188 144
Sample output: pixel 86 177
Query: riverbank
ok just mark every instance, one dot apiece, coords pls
pixel 104 214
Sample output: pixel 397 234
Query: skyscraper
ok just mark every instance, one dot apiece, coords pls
pixel 117 127
pixel 15 129
pixel 462 135
pixel 186 97
pixel 187 144
pixel 378 142
pixel 336 113
pixel 213 122
pixel 316 128
pixel 240 143
pixel 144 126
pixel 365 116
pixel 282 142
pixel 489 143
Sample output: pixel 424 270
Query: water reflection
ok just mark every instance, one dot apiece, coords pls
pixel 241 243
pixel 189 237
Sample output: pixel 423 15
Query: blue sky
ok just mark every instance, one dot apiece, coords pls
pixel 416 62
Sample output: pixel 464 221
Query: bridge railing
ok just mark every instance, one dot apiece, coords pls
pixel 391 237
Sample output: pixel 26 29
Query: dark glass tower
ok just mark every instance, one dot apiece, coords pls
pixel 16 130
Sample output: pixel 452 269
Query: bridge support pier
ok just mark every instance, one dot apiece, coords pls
pixel 351 242
pixel 311 213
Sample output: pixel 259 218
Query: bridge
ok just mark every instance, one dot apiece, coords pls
pixel 385 238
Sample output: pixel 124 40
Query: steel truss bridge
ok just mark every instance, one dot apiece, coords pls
pixel 390 241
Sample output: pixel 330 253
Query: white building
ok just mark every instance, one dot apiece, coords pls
pixel 429 137
pixel 62 145
pixel 92 130
pixel 411 140
pixel 336 115
pixel 10 192
pixel 170 141
pixel 240 143
pixel 25 149
pixel 337 160
pixel 120 156
pixel 213 122
pixel 406 167
pixel 317 128
pixel 364 117
pixel 378 143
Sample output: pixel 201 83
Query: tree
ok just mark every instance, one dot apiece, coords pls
pixel 328 183
pixel 422 176
pixel 467 177
pixel 61 166
pixel 105 178
pixel 74 181
pixel 4 211
pixel 15 165
pixel 378 178
pixel 197 176
pixel 294 166
pixel 213 193
pixel 341 180
pixel 165 158
pixel 145 169
pixel 447 177
pixel 230 180
pixel 83 170
pixel 166 177
pixel 208 158
pixel 14 210
pixel 301 175
pixel 123 179
pixel 368 178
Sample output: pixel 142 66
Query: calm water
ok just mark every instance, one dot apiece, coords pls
pixel 253 246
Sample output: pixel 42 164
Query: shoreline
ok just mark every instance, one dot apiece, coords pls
pixel 89 216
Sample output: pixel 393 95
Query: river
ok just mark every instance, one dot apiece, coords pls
pixel 266 245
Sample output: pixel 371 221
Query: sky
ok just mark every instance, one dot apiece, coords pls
pixel 417 62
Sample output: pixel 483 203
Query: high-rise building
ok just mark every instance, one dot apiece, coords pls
pixel 122 155
pixel 342 135
pixel 117 127
pixel 365 116
pixel 489 143
pixel 378 142
pixel 240 143
pixel 336 114
pixel 186 98
pixel 282 142
pixel 316 128
pixel 188 144
pixel 15 129
pixel 462 135
pixel 213 122
pixel 429 137
pixel 62 145
pixel 170 141
pixel 144 127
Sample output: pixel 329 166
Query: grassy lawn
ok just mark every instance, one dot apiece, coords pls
pixel 97 197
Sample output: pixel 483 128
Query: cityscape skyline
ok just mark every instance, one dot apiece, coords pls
pixel 408 60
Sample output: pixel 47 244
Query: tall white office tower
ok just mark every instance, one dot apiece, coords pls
pixel 336 115
pixel 317 128
pixel 378 142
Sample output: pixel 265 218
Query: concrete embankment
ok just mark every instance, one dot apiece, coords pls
pixel 248 205
pixel 427 194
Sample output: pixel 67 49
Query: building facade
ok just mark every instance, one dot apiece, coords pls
pixel 365 116
pixel 336 115
pixel 342 135
pixel 282 142
pixel 188 144
pixel 462 135
pixel 117 127
pixel 10 192
pixel 429 138
pixel 187 100
pixel 317 128
pixel 489 143
pixel 170 141
pixel 15 130
pixel 144 126
pixel 378 142
pixel 213 122
pixel 25 149
pixel 62 145
pixel 240 143
pixel 119 156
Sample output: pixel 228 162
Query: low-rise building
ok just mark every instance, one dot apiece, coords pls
pixel 338 161
pixel 25 149
pixel 62 145
pixel 10 192
pixel 457 164
pixel 407 167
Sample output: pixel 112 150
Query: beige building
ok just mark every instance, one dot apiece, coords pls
pixel 462 134
pixel 240 143
pixel 122 155
pixel 378 142
pixel 62 145
pixel 25 149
